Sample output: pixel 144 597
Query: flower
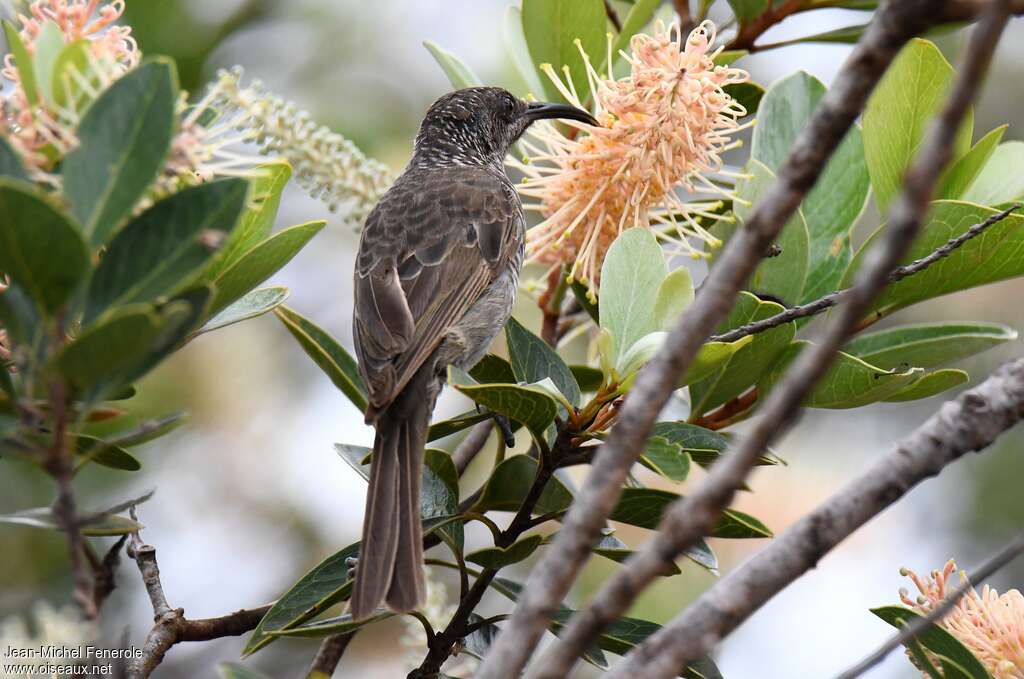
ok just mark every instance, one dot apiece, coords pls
pixel 42 129
pixel 662 128
pixel 327 164
pixel 990 625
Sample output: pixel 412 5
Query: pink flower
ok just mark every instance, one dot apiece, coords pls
pixel 663 128
pixel 990 625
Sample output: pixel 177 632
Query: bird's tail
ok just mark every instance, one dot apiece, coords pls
pixel 390 567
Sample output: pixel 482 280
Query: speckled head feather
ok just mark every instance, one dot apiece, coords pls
pixel 478 125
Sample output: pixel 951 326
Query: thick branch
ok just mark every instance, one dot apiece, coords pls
pixel 471 445
pixel 329 655
pixel 170 625
pixel 970 423
pixel 894 24
pixel 689 519
pixel 919 625
pixel 898 274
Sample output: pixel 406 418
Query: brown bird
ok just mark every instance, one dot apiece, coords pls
pixel 435 279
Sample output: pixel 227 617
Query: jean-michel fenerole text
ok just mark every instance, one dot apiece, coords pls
pixel 56 652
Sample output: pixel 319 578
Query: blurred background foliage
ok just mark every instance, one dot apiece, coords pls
pixel 250 492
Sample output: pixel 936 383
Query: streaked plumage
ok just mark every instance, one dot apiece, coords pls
pixel 435 279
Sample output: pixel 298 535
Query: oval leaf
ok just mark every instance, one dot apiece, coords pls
pixel 928 345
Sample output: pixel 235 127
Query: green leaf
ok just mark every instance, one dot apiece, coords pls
pixel 783 276
pixel 633 270
pixel 327 353
pixel 148 431
pixel 40 247
pixel 529 405
pixel 962 174
pixel 253 304
pixel 164 249
pixel 912 91
pixel 590 304
pixel 493 369
pixel 47 47
pixel 996 255
pixel 10 162
pixel 930 384
pixel 257 220
pixel 111 353
pixel 743 369
pixel 498 557
pixel 342 624
pixel 702 445
pixel 935 639
pixel 23 62
pixel 74 57
pixel 747 11
pixel 928 345
pixel 319 589
pixel 93 526
pixel 640 14
pixel 610 547
pixel 510 483
pixel 711 357
pixel 748 95
pixel 233 670
pixel 589 379
pixel 533 360
pixel 261 262
pixel 125 137
pixel 551 28
pixel 643 507
pixel 20 317
pixel 849 382
pixel 459 74
pixel 837 199
pixel 666 458
pixel 515 46
pixel 619 637
pixel 439 430
pixel 674 294
pixel 106 454
pixel 1000 181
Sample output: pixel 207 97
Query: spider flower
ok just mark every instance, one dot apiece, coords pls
pixel 989 624
pixel 42 129
pixel 662 131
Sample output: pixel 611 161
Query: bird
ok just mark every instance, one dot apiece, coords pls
pixel 435 279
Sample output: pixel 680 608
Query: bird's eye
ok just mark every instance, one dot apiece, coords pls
pixel 510 104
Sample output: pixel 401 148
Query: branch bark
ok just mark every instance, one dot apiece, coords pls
pixel 894 24
pixel 967 424
pixel 689 519
pixel 170 625
pixel 329 655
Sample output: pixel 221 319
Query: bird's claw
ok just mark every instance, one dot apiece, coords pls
pixel 505 427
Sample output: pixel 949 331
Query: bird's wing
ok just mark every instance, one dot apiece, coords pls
pixel 430 249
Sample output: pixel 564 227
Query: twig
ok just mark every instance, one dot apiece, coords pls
pixel 470 446
pixel 918 625
pixel 550 580
pixel 898 274
pixel 969 423
pixel 329 655
pixel 689 519
pixel 170 625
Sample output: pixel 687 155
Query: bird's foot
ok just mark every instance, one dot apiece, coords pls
pixel 505 427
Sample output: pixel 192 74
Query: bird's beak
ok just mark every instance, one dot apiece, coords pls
pixel 540 110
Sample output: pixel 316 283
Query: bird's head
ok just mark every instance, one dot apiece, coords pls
pixel 479 124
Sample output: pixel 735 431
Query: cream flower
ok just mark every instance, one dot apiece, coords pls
pixel 662 129
pixel 990 625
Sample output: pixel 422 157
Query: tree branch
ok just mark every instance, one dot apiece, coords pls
pixel 470 446
pixel 894 24
pixel 329 655
pixel 689 519
pixel 613 16
pixel 170 625
pixel 967 424
pixel 984 572
pixel 898 274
